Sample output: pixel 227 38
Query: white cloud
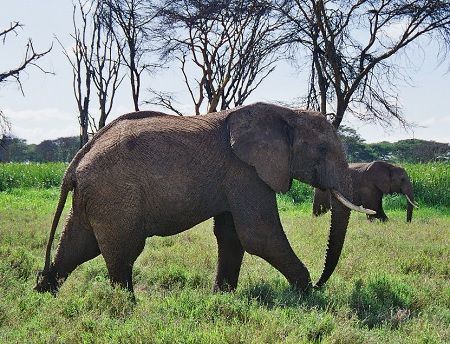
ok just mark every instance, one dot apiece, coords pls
pixel 435 121
pixel 40 124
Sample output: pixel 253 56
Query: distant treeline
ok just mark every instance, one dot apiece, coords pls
pixel 414 150
pixel 14 149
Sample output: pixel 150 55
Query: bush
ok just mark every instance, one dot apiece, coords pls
pixel 300 192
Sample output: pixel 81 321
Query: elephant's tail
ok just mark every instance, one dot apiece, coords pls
pixel 66 186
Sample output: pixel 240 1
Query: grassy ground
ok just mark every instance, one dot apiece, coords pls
pixel 392 285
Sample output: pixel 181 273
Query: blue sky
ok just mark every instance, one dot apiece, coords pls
pixel 48 109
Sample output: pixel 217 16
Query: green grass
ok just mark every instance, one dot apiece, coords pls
pixel 431 182
pixel 32 175
pixel 392 285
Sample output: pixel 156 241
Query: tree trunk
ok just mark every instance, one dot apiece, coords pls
pixel 339 114
pixel 84 124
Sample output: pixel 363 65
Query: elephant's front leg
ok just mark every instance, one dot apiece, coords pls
pixel 260 232
pixel 373 200
pixel 380 213
pixel 230 253
pixel 376 203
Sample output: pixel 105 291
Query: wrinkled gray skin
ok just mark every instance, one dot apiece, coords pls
pixel 149 174
pixel 370 182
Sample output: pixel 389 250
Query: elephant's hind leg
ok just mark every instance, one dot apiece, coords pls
pixel 77 245
pixel 120 244
pixel 230 253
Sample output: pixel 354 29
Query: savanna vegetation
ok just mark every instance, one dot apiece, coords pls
pixel 391 285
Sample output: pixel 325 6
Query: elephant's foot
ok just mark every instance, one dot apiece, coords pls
pixel 223 287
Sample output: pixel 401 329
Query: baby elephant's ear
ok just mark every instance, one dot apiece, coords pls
pixel 262 141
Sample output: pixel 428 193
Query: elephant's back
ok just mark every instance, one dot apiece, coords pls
pixel 149 136
pixel 165 154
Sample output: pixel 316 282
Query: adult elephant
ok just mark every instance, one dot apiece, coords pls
pixel 149 174
pixel 370 182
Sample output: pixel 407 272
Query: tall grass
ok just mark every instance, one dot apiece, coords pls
pixel 431 182
pixel 31 175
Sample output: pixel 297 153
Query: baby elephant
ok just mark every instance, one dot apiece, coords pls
pixel 371 181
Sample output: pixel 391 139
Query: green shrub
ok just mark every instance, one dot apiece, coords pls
pixel 300 192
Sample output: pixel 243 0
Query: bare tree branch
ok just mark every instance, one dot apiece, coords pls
pixel 130 26
pixel 30 58
pixel 12 28
pixel 351 45
pixel 164 99
pixel 106 62
pixel 5 124
pixel 95 60
pixel 226 49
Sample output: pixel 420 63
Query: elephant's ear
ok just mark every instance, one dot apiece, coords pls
pixel 381 172
pixel 262 140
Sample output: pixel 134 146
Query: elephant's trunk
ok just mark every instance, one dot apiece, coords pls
pixel 339 220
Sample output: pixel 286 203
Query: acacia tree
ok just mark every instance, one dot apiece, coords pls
pixel 80 59
pixel 30 58
pixel 95 59
pixel 105 66
pixel 131 27
pixel 225 49
pixel 351 46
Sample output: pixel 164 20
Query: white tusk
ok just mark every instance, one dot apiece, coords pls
pixel 350 205
pixel 414 204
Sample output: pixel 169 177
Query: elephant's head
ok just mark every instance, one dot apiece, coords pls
pixel 282 144
pixel 393 179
